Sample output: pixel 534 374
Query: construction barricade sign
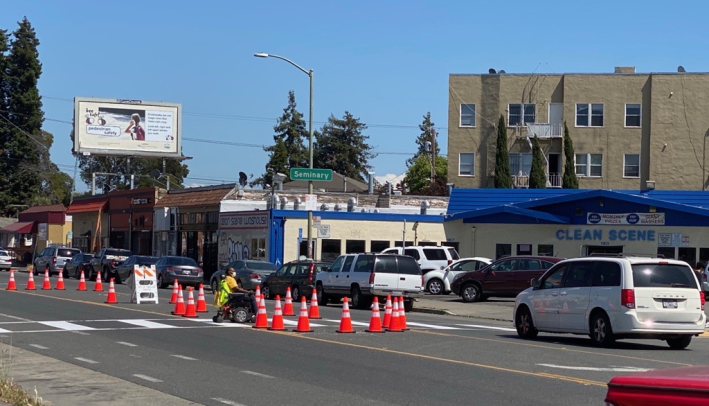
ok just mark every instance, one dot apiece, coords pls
pixel 144 284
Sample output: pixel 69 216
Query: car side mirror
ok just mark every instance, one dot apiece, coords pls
pixel 536 283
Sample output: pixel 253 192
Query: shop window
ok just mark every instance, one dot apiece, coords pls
pixel 303 248
pixel 354 246
pixel 212 217
pixel 666 252
pixel 545 250
pixel 688 255
pixel 704 254
pixel 379 246
pixel 524 249
pixel 502 250
pixel 331 249
pixel 258 248
pixel 398 243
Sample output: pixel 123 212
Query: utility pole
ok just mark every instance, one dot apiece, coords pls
pixel 433 156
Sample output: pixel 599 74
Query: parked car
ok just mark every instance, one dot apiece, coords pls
pixel 614 298
pixel 78 263
pixel 505 277
pixel 298 275
pixel 125 269
pixel 106 262
pixel 428 257
pixel 438 281
pixel 249 273
pixel 683 386
pixel 52 259
pixel 5 260
pixel 183 269
pixel 704 281
pixel 364 276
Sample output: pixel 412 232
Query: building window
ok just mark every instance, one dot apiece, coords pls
pixel 590 165
pixel 524 249
pixel 331 249
pixel 520 163
pixel 399 243
pixel 631 166
pixel 589 115
pixel 515 117
pixel 467 115
pixel 666 252
pixel 502 250
pixel 354 246
pixel 545 250
pixel 466 166
pixel 632 115
pixel 379 246
pixel 258 248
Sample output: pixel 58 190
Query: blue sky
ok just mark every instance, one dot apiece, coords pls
pixel 386 62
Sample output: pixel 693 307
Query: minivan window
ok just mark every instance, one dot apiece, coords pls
pixel 453 253
pixel 553 279
pixel 412 253
pixel 434 254
pixel 408 266
pixel 67 253
pixel 606 274
pixel 663 276
pixel 579 274
pixel 385 264
pixel 364 263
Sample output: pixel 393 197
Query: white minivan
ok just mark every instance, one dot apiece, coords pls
pixel 612 298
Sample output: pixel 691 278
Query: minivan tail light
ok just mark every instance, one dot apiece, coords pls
pixel 701 296
pixel 627 298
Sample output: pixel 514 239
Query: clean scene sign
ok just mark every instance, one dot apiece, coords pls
pixel 322 175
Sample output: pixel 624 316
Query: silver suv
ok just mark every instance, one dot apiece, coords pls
pixel 53 259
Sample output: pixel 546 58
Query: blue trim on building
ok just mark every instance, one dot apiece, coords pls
pixel 343 215
pixel 510 215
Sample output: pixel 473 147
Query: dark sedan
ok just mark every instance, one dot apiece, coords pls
pixel 299 276
pixel 184 270
pixel 249 273
pixel 125 269
pixel 79 262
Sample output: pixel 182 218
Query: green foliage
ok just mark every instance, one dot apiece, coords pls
pixel 418 177
pixel 426 127
pixel 341 146
pixel 277 162
pixel 537 176
pixel 503 179
pixel 569 181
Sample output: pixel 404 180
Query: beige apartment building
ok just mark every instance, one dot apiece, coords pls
pixel 629 130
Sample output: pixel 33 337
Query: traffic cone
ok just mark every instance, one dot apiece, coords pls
pixel 173 299
pixel 191 310
pixel 258 294
pixel 288 309
pixel 201 302
pixel 82 282
pixel 395 325
pixel 98 286
pixel 402 315
pixel 277 320
pixel 314 308
pixel 46 285
pixel 11 284
pixel 60 281
pixel 345 320
pixel 180 304
pixel 30 282
pixel 261 317
pixel 303 322
pixel 111 298
pixel 375 323
pixel 387 313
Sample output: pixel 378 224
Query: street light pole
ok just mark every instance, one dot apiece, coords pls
pixel 310 143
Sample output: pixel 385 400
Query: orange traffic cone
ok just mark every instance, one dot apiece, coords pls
pixel 261 317
pixel 180 304
pixel 173 299
pixel 277 320
pixel 111 298
pixel 60 281
pixel 314 309
pixel 402 315
pixel 30 282
pixel 303 322
pixel 98 286
pixel 387 313
pixel 258 294
pixel 345 320
pixel 201 302
pixel 11 284
pixel 46 285
pixel 395 325
pixel 288 309
pixel 375 323
pixel 82 282
pixel 191 310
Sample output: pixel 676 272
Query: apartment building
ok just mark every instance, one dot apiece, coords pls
pixel 629 130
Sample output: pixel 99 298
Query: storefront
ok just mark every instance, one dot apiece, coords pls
pixel 131 219
pixel 243 235
pixel 38 227
pixel 90 222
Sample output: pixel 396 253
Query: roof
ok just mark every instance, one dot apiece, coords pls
pixel 4 221
pixel 87 206
pixel 474 199
pixel 194 197
pixel 20 227
pixel 45 209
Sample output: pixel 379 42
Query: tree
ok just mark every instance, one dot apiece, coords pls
pixel 427 129
pixel 537 176
pixel 277 162
pixel 291 131
pixel 418 177
pixel 341 146
pixel 5 164
pixel 570 181
pixel 503 180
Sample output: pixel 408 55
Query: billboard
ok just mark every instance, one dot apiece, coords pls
pixel 119 127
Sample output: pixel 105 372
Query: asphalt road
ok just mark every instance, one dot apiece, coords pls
pixel 110 351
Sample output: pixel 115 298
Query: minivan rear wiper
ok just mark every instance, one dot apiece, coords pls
pixel 679 285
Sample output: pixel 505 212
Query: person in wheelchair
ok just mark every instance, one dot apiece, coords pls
pixel 229 286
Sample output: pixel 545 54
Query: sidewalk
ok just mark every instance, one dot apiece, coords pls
pixel 492 309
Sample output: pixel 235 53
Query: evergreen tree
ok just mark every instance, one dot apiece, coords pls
pixel 503 179
pixel 418 177
pixel 5 163
pixel 291 131
pixel 570 181
pixel 341 146
pixel 277 162
pixel 426 128
pixel 537 176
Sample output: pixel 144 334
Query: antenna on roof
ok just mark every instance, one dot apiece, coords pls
pixel 502 71
pixel 492 71
pixel 680 69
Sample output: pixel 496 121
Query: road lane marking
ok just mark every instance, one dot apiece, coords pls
pixel 147 378
pixel 430 326
pixel 146 323
pixel 13 317
pixel 3 331
pixel 228 402
pixel 126 344
pixel 612 369
pixel 487 327
pixel 41 347
pixel 88 361
pixel 183 357
pixel 354 323
pixel 63 325
pixel 258 374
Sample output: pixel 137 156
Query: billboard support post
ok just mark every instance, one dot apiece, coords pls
pixel 93 183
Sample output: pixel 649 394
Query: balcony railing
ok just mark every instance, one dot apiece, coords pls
pixel 545 130
pixel 522 181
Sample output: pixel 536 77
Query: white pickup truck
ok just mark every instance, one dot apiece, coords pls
pixel 363 276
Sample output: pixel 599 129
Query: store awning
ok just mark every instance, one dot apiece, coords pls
pixel 21 227
pixel 87 207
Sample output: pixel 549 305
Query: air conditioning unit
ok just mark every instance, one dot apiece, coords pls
pixel 650 184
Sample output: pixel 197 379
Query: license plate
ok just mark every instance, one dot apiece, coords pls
pixel 669 304
pixel 186 272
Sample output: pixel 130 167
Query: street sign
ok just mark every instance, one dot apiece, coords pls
pixel 315 175
pixel 311 202
pixel 316 220
pixel 300 235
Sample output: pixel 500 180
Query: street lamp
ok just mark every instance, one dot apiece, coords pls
pixel 310 144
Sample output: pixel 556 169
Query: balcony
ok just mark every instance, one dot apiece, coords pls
pixel 544 130
pixel 522 181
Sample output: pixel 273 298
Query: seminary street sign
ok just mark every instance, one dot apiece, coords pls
pixel 321 175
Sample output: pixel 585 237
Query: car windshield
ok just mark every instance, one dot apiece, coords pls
pixel 663 276
pixel 261 266
pixel 145 260
pixel 119 253
pixel 67 253
pixel 182 261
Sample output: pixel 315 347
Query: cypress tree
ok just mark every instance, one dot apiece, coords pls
pixel 570 181
pixel 5 164
pixel 341 146
pixel 537 176
pixel 277 162
pixel 503 180
pixel 426 127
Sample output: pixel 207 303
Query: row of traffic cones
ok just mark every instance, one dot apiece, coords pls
pixel 191 309
pixel 12 284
